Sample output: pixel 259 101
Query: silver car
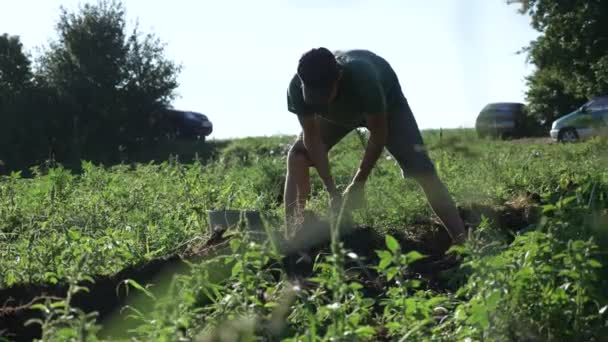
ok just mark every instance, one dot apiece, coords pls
pixel 590 120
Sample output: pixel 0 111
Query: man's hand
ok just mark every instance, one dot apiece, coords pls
pixel 354 196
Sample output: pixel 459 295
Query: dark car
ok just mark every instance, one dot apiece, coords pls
pixel 502 119
pixel 183 125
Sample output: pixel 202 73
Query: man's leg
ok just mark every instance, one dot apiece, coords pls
pixel 442 204
pixel 407 147
pixel 297 182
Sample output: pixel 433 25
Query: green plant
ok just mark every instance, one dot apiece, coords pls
pixel 533 269
pixel 64 322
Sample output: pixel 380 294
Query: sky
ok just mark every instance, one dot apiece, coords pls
pixel 238 56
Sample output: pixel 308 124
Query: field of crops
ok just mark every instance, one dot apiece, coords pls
pixel 125 253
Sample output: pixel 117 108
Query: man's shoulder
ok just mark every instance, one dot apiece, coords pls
pixel 354 53
pixel 357 57
pixel 366 66
pixel 361 65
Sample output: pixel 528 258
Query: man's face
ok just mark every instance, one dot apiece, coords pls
pixel 322 95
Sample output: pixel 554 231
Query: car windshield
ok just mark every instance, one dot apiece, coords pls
pixel 597 104
pixel 504 107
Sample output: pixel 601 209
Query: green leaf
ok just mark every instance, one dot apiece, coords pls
pixel 318 280
pixel 40 307
pixel 414 283
pixel 229 233
pixel 478 317
pixel 392 244
pixel 136 285
pixel 491 301
pixel 365 331
pixel 78 288
pixel 33 321
pixel 355 286
pixel 414 329
pixel 10 279
pixel 457 249
pixel 547 269
pixel 391 273
pixel 51 277
pixel 237 268
pixel 567 201
pixel 549 208
pixel 384 254
pixel 58 305
pixel 65 333
pixel 594 263
pixel 436 300
pixel 393 326
pixel 384 263
pixel 413 256
pixel 89 279
pixel 367 302
pixel 74 234
pixel 602 310
pixel 235 245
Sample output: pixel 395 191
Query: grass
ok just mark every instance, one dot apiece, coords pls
pixel 60 227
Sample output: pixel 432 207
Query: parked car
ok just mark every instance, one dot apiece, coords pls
pixel 590 120
pixel 501 119
pixel 179 124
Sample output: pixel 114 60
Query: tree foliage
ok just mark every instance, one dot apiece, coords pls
pixel 15 66
pixel 18 124
pixel 95 87
pixel 570 54
pixel 109 81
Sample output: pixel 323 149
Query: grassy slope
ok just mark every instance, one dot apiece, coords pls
pixel 545 285
pixel 124 215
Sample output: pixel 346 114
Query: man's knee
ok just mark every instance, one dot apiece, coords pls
pixel 298 156
pixel 418 168
pixel 432 185
pixel 426 178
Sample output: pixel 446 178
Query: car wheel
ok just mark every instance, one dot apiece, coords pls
pixel 567 135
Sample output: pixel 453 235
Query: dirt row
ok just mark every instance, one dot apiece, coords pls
pixel 106 295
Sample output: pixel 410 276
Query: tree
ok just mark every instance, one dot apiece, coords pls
pixel 16 87
pixel 107 82
pixel 570 54
pixel 15 66
pixel 548 97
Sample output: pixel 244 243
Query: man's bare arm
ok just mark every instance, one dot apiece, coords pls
pixel 317 150
pixel 378 129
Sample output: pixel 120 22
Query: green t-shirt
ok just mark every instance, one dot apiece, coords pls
pixel 368 86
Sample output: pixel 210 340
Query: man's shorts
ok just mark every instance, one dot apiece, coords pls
pixel 404 141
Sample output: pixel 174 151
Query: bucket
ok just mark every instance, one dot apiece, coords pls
pixel 220 220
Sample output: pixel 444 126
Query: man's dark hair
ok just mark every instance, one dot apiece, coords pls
pixel 318 70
